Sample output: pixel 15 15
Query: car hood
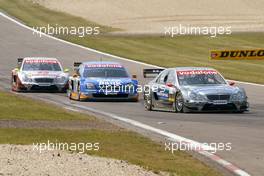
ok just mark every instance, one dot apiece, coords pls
pixel 43 74
pixel 212 89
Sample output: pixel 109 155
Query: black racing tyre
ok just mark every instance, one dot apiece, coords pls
pixel 240 111
pixel 134 99
pixel 12 84
pixel 79 92
pixel 148 102
pixel 179 103
pixel 69 90
pixel 69 93
pixel 79 96
pixel 16 88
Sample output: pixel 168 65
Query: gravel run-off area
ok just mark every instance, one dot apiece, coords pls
pixel 26 160
pixel 152 16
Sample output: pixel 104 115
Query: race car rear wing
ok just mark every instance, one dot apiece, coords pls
pixel 76 66
pixel 153 72
pixel 19 62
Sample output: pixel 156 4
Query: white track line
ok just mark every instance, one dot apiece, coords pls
pixel 205 153
pixel 96 51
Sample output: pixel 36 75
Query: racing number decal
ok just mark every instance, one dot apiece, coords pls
pixel 163 94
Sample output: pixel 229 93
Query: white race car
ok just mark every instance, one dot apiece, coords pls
pixel 41 74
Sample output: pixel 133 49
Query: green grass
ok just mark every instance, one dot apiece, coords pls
pixel 120 145
pixel 19 108
pixel 35 15
pixel 185 51
pixel 167 52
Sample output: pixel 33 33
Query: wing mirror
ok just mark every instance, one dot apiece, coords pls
pixel 66 70
pixel 169 84
pixel 134 76
pixel 231 83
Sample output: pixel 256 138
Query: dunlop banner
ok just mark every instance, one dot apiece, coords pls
pixel 252 54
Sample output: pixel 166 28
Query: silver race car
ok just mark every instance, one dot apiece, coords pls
pixel 186 89
pixel 43 74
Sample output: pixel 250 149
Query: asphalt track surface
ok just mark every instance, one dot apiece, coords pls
pixel 244 131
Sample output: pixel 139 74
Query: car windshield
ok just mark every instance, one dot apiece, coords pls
pixel 106 72
pixel 212 78
pixel 41 66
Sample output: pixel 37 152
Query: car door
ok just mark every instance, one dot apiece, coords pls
pixel 170 88
pixel 160 95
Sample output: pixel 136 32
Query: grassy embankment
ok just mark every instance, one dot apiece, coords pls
pixel 162 51
pixel 116 143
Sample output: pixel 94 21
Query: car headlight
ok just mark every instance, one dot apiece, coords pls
pixel 25 78
pixel 196 96
pixel 90 86
pixel 61 79
pixel 238 96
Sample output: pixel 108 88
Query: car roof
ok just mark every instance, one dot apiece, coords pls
pixel 192 68
pixel 40 58
pixel 100 62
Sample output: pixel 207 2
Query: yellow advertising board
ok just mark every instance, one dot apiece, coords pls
pixel 251 54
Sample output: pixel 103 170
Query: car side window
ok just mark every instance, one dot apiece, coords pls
pixel 170 77
pixel 158 79
pixel 162 78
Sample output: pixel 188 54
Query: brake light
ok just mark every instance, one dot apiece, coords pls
pixel 169 84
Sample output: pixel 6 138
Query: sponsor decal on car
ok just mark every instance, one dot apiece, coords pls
pixel 41 61
pixel 103 66
pixel 220 102
pixel 196 72
pixel 163 95
pixel 110 82
pixel 252 54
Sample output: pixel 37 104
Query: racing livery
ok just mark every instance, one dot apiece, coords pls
pixel 186 89
pixel 102 81
pixel 41 74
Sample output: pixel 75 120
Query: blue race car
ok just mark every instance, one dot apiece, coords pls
pixel 102 81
